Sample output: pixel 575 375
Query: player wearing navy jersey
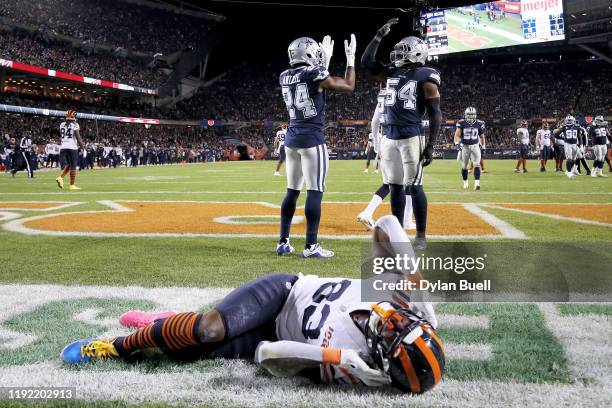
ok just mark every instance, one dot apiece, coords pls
pixel 303 87
pixel 570 133
pixel 583 145
pixel 366 217
pixel 279 148
pixel 543 143
pixel 412 90
pixel 600 134
pixel 470 133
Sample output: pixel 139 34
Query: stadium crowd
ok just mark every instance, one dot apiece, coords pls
pixel 48 52
pixel 111 23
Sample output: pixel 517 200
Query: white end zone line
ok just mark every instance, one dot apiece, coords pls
pixel 552 216
pixel 17 225
pixel 340 193
pixel 60 205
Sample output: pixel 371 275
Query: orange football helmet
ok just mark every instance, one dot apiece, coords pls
pixel 71 115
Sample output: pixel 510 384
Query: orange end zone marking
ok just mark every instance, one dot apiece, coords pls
pixel 149 217
pixel 600 212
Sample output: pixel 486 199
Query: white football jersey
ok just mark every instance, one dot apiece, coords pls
pixel 67 132
pixel 380 105
pixel 544 137
pixel 317 312
pixel 280 136
pixel 523 135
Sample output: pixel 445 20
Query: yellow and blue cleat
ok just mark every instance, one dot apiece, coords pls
pixel 87 351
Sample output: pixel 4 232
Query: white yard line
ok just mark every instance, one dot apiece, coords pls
pixel 552 216
pixel 340 193
pixel 507 230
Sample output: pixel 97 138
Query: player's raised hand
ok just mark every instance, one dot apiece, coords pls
pixel 350 48
pixel 327 46
pixel 386 29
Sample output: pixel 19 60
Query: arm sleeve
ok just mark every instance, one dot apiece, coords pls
pixel 375 125
pixel 435 119
pixel 275 356
pixel 368 59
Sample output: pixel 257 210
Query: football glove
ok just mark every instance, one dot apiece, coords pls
pixel 427 155
pixel 384 30
pixel 354 364
pixel 483 149
pixel 327 45
pixel 350 48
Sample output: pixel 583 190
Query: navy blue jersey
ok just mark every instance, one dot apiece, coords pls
pixel 570 134
pixel 470 131
pixel 598 133
pixel 306 105
pixel 404 101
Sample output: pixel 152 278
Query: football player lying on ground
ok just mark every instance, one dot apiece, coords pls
pixel 317 327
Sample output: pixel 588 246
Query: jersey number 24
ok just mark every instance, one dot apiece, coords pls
pixel 300 101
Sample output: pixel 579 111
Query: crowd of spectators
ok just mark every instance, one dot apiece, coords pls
pixel 502 91
pixel 50 53
pixel 119 24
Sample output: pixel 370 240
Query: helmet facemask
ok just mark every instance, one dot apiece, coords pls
pixel 391 335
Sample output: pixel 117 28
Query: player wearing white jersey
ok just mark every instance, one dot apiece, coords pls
pixel 522 134
pixel 318 327
pixel 370 153
pixel 543 143
pixel 279 148
pixel 69 152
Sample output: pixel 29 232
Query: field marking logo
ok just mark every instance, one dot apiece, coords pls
pixel 133 218
pixel 485 358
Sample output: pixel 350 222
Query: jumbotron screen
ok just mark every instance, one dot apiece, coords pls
pixel 494 24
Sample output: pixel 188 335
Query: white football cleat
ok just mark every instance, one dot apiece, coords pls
pixel 366 171
pixel 466 184
pixel 376 171
pixel 366 219
pixel 284 249
pixel 409 225
pixel 277 174
pixel 316 251
pixel 594 173
pixel 570 175
pixel 600 174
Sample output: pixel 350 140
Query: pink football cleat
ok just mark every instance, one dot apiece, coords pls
pixel 139 319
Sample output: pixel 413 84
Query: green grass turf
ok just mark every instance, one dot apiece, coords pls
pixel 231 261
pixel 510 25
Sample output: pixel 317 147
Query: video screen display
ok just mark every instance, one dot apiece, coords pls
pixel 494 24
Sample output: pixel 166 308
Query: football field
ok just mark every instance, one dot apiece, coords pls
pixel 180 237
pixel 487 34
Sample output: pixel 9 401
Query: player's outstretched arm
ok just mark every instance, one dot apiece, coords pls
pixel 287 358
pixel 346 84
pixel 368 59
pixel 432 104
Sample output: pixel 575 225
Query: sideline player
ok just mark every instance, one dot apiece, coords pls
pixel 21 159
pixel 559 147
pixel 522 134
pixel 542 141
pixel 69 152
pixel 303 87
pixel 600 134
pixel 470 132
pixel 279 148
pixel 412 89
pixel 317 327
